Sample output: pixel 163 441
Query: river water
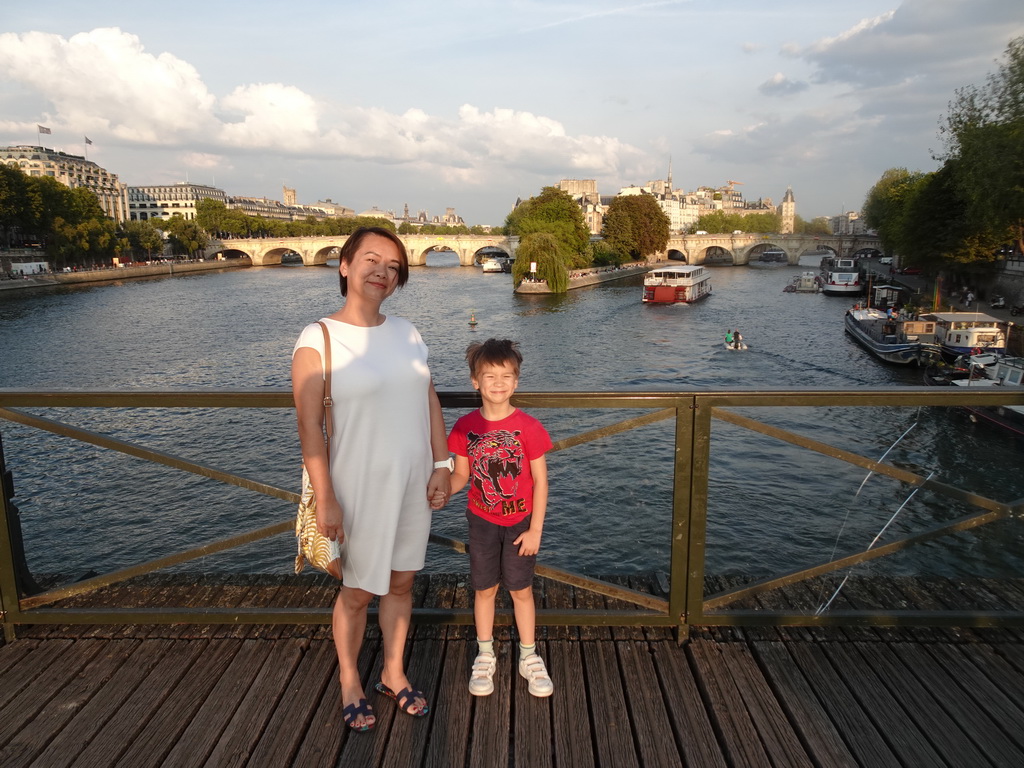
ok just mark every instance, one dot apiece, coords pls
pixel 772 507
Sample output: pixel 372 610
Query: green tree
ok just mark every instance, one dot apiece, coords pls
pixel 141 238
pixel 984 135
pixel 636 225
pixel 543 249
pixel 816 227
pixel 213 216
pixel 15 210
pixel 886 203
pixel 606 255
pixel 720 222
pixel 186 237
pixel 938 229
pixel 554 212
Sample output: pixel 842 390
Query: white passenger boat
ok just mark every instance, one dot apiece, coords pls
pixel 492 265
pixel 840 277
pixel 682 284
pixel 968 333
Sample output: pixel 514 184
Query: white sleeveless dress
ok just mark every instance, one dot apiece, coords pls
pixel 381 458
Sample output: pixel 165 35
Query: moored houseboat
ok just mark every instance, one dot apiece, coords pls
pixel 968 333
pixel 682 284
pixel 892 338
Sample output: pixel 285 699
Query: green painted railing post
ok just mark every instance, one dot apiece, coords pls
pixel 8 578
pixel 689 486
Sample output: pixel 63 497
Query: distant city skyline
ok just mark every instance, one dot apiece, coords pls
pixel 471 106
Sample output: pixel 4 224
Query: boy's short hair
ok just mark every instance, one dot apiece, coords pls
pixel 493 352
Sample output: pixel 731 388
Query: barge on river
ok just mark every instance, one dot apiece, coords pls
pixel 769 259
pixel 891 338
pixel 840 277
pixel 682 284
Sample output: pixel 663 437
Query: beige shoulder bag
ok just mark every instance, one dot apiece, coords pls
pixel 315 548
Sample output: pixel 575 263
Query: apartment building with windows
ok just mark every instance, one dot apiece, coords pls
pixel 73 171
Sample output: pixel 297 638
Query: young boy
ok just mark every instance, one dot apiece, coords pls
pixel 499 451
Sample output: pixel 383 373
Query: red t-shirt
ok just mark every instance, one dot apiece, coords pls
pixel 499 453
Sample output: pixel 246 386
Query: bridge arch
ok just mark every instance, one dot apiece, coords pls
pixel 444 255
pixel 716 255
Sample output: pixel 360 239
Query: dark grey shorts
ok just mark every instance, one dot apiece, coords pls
pixel 493 559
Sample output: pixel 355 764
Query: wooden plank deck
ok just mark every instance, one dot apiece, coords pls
pixel 191 695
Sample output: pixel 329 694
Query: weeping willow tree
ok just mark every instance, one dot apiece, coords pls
pixel 541 248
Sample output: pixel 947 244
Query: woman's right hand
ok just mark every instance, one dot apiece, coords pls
pixel 328 520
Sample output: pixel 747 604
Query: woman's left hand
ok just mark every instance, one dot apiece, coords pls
pixel 439 488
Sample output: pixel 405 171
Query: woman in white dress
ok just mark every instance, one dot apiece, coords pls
pixel 388 460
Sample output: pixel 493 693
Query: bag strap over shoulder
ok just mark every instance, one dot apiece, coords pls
pixel 328 400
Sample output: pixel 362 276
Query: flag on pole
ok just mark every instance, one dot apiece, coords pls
pixel 88 140
pixel 42 129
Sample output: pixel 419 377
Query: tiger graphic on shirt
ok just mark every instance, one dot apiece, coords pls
pixel 496 463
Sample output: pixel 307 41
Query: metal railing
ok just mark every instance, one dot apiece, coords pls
pixel 693 414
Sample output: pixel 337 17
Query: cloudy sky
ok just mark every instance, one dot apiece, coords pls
pixel 472 103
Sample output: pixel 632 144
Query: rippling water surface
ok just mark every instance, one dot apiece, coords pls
pixel 772 507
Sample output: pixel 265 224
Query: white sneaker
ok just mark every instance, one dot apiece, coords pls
pixel 481 681
pixel 533 669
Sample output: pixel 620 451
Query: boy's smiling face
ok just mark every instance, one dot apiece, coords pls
pixel 497 383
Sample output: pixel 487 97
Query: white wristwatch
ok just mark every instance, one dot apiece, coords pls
pixel 448 464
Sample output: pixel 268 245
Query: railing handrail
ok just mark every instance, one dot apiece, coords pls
pixel 692 410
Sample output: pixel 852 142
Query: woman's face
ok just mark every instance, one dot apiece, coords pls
pixel 373 271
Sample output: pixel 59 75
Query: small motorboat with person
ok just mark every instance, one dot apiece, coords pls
pixel 734 341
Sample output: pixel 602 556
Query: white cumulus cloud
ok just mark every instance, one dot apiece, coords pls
pixel 104 82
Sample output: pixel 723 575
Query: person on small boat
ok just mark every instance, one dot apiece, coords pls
pixel 728 338
pixel 737 339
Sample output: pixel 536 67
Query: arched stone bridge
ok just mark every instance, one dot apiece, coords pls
pixel 693 249
pixel 316 250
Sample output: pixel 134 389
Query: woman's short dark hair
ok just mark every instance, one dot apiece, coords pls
pixel 348 251
pixel 493 352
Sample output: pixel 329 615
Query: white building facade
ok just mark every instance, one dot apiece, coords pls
pixel 73 171
pixel 162 201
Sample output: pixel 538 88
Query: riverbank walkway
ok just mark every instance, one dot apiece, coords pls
pixel 259 695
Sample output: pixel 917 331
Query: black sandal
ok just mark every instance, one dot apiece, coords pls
pixel 406 699
pixel 352 711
